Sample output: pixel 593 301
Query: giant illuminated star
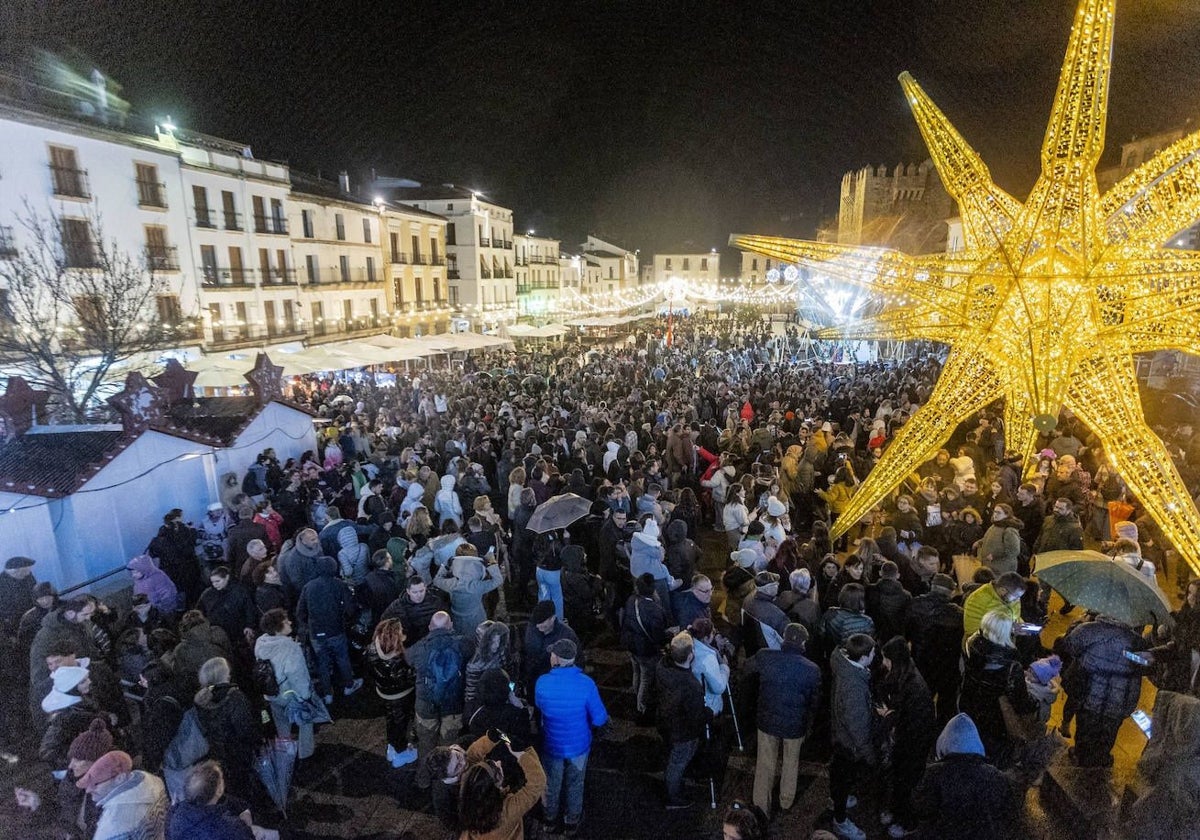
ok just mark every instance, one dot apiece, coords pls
pixel 1050 299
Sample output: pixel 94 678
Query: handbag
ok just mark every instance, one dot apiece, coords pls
pixel 310 710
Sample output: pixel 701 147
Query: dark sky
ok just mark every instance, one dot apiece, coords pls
pixel 665 125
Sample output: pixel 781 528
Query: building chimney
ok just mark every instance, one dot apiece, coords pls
pixel 344 181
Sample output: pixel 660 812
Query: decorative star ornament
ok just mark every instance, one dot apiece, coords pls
pixel 1049 300
pixel 176 382
pixel 266 379
pixel 139 405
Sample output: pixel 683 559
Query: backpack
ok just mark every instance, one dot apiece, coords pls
pixel 265 679
pixel 250 484
pixel 444 677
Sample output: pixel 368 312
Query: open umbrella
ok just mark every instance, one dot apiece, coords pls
pixel 533 382
pixel 1111 587
pixel 274 766
pixel 340 399
pixel 558 512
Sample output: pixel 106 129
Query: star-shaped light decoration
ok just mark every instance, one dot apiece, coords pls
pixel 266 379
pixel 176 382
pixel 139 405
pixel 1050 299
pixel 20 407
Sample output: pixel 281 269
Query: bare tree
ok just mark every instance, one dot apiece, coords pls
pixel 73 306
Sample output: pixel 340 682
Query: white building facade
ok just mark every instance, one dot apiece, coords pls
pixel 755 267
pixel 538 275
pixel 607 268
pixel 697 268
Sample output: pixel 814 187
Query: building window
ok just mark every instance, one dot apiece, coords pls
pixel 610 275
pixel 151 192
pixel 348 311
pixel 416 251
pixel 344 264
pixel 169 310
pixel 418 288
pixel 375 311
pixel 159 255
pixel 370 269
pixel 69 180
pixel 79 250
pixel 686 264
pixel 395 243
pixel 339 222
pixel 437 288
pixel 277 216
pixel 668 265
pixel 453 295
pixel 204 217
pixel 754 265
pixel 208 264
pixel 451 236
pixel 306 221
pixel 704 264
pixel 232 222
pixel 366 230
pixel 313 268
pixel 398 289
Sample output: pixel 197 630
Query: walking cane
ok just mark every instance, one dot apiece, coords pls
pixel 736 727
pixel 712 786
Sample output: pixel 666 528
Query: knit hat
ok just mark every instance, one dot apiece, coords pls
pixel 744 557
pixel 1126 530
pixel 17 563
pixel 542 610
pixel 1046 669
pixel 91 744
pixel 564 649
pixel 960 736
pixel 729 471
pixel 775 507
pixel 942 581
pixel 107 767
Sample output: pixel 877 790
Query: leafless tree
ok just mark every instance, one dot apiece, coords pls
pixel 73 307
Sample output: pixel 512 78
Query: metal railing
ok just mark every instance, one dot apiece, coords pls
pixel 270 224
pixel 162 258
pixel 399 258
pixel 205 218
pixel 231 278
pixel 70 182
pixel 233 219
pixel 152 194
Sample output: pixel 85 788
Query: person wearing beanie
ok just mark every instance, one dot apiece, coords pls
pixel 647 556
pixel 764 621
pixel 789 690
pixel 570 707
pixel 934 627
pixel 544 629
pixel 914 728
pixel 961 796
pixel 133 803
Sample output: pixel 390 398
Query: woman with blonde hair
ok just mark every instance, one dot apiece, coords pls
pixel 516 483
pixel 395 683
pixel 993 672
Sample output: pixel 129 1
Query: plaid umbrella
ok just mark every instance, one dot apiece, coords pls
pixel 1109 586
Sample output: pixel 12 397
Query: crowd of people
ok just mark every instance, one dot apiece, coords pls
pixel 414 556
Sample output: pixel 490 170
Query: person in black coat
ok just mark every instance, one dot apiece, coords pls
pixel 993 670
pixel 935 629
pixel 415 607
pixel 229 724
pixel 888 602
pixel 789 689
pixel 227 604
pixel 499 709
pixel 379 588
pixel 269 593
pixel 643 634
pixel 682 715
pixel 175 549
pixel 166 699
pixel 913 724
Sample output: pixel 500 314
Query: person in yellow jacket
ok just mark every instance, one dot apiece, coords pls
pixel 838 497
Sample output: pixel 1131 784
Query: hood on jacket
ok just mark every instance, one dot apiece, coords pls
pixel 143 563
pixel 492 641
pixel 676 532
pixel 266 645
pixel 467 568
pixel 414 492
pixel 347 538
pixel 212 696
pixel 446 482
pixel 493 687
pixel 736 579
pixel 327 566
pixel 309 551
pixel 646 539
pixel 959 737
pixel 612 446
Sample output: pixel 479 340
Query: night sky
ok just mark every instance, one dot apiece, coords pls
pixel 664 125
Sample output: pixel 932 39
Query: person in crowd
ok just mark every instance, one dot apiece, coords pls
pixel 199 641
pixel 466 580
pixel 499 708
pixel 491 804
pixel 290 669
pixel 569 705
pixel 202 811
pixel 152 582
pixel 643 634
pixel 298 563
pixel 763 620
pixel 934 628
pixel 492 650
pixel 888 602
pixel 132 802
pixel 395 684
pixel 693 602
pixel 744 821
pixel 67 627
pixel 848 618
pixel 1000 548
pixel 229 605
pixel 855 724
pixel 438 662
pixel 269 593
pixel 914 729
pixel 544 629
pixel 682 715
pixel 174 547
pixel 993 671
pixel 1004 593
pixel 229 724
pixel 1169 772
pixel 242 534
pixel 323 612
pixel 789 690
pixel 415 607
pixel 581 589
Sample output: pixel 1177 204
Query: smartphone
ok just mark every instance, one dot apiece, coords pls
pixel 512 686
pixel 1027 628
pixel 1137 657
pixel 1143 721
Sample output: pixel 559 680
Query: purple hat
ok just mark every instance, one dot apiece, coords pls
pixel 1046 669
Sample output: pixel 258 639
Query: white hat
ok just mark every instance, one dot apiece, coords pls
pixel 744 557
pixel 215 506
pixel 730 471
pixel 827 427
pixel 651 528
pixel 775 507
pixel 64 680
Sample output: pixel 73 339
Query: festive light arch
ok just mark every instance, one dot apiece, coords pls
pixel 1050 299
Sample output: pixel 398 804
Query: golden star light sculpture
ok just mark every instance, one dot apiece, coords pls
pixel 1049 299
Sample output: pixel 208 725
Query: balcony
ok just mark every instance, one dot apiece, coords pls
pixel 152 194
pixel 8 245
pixel 334 276
pixel 70 182
pixel 437 260
pixel 206 218
pixel 485 274
pixel 227 278
pixel 162 258
pixel 399 258
pixel 233 220
pixel 420 259
pixel 273 225
pixel 507 245
pixel 485 243
pixel 279 277
pixel 80 255
pixel 453 274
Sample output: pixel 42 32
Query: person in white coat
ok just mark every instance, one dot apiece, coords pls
pixel 277 646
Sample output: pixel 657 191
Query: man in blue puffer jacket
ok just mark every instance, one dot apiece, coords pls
pixel 570 705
